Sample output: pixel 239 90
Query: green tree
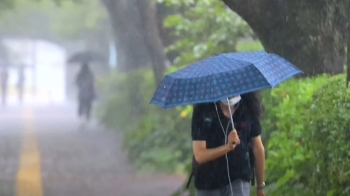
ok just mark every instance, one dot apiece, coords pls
pixel 204 28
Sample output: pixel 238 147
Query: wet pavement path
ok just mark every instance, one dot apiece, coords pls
pixel 47 151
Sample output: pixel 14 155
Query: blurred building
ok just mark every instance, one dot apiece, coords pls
pixel 45 69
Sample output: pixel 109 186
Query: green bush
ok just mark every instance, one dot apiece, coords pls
pixel 125 98
pixel 155 139
pixel 285 121
pixel 328 139
pixel 285 103
pixel 161 142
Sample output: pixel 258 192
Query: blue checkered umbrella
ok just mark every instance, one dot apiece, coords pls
pixel 222 76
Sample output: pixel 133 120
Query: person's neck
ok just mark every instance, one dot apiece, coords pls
pixel 227 113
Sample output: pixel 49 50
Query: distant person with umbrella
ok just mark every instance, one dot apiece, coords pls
pixel 86 91
pixel 85 79
pixel 4 80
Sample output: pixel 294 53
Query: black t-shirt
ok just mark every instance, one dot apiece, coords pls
pixel 213 174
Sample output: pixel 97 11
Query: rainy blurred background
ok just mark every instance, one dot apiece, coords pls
pixel 129 147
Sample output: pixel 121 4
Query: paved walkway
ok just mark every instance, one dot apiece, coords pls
pixel 45 150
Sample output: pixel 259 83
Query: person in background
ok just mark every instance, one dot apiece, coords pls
pixel 222 153
pixel 20 83
pixel 4 80
pixel 86 91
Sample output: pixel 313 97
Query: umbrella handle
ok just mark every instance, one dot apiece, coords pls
pixel 233 125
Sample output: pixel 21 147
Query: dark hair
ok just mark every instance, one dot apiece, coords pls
pixel 249 105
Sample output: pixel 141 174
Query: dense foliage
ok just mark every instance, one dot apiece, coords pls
pixel 327 139
pixel 156 140
pixel 285 123
pixel 204 28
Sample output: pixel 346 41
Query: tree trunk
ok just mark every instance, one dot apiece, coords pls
pixel 299 31
pixel 131 50
pixel 151 35
pixel 341 21
pixel 138 37
pixel 166 33
pixel 348 63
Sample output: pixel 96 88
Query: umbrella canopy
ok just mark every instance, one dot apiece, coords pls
pixel 222 76
pixel 86 57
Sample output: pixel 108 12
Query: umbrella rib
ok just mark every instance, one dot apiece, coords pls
pixel 171 86
pixel 253 64
pixel 262 74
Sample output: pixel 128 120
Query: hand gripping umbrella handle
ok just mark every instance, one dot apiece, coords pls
pixel 233 125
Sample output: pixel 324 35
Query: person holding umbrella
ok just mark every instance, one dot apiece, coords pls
pixel 225 125
pixel 85 79
pixel 218 146
pixel 86 90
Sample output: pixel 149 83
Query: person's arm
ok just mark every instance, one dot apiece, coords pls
pixel 259 154
pixel 203 155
